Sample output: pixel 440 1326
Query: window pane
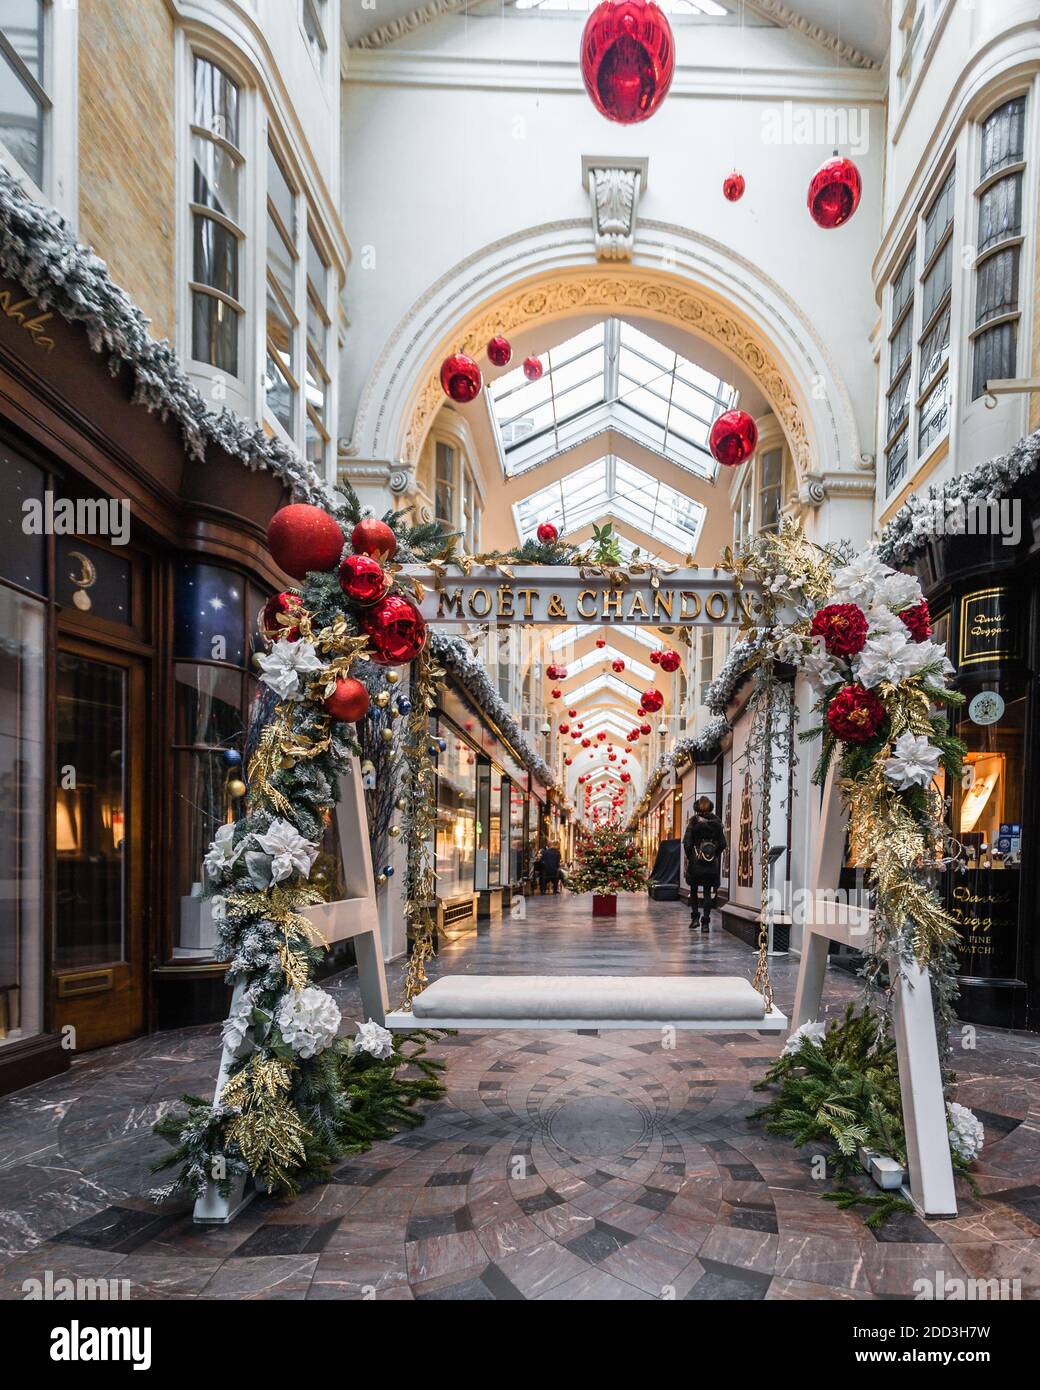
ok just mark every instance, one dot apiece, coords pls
pixel 216 256
pixel 317 330
pixel 934 415
pixel 21 122
pixel 936 283
pixel 895 462
pixel 997 289
pixel 92 579
pixel 1002 137
pixel 214 332
pixel 23 556
pixel 22 25
pixel 899 402
pixel 201 806
pixel 317 270
pixel 208 706
pixel 902 286
pixel 899 348
pixel 209 618
pixel 1000 211
pixel 935 348
pixel 279 397
pixel 216 101
pixel 216 177
pixel 995 353
pixel 316 389
pixel 280 193
pixel 280 262
pixel 939 216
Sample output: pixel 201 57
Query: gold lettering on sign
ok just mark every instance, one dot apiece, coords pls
pixel 663 603
pixel 744 604
pixel 449 602
pixel 715 597
pixel 528 596
pixel 556 607
pixel 638 607
pixel 33 326
pixel 584 612
pixel 612 600
pixel 694 599
pixel 505 601
pixel 485 599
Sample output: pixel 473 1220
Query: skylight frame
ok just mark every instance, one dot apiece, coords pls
pixel 609 654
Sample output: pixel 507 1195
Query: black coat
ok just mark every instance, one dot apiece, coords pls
pixel 703 832
pixel 548 862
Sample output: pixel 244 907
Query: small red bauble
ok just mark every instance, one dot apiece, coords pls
pixel 601 735
pixel 395 630
pixel 652 700
pixel 556 694
pixel 565 728
pixel 586 742
pixel 533 369
pixel 568 761
pixel 733 186
pixel 626 777
pixel 918 621
pixel 834 192
pixel 627 59
pixel 601 642
pixel 644 728
pixel 843 627
pixel 362 579
pixel 460 378
pixel 499 352
pixel 855 714
pixel 580 724
pixel 628 749
pixel 375 538
pixel 274 620
pixel 611 757
pixel 655 658
pixel 670 661
pixel 348 702
pixel 573 714
pixel 617 665
pixel 553 672
pixel 547 533
pixel 733 438
pixel 302 538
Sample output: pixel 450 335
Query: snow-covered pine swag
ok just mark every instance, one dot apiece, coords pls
pixel 39 250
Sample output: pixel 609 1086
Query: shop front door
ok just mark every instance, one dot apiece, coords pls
pixel 100 841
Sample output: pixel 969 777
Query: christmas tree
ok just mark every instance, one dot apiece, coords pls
pixel 608 862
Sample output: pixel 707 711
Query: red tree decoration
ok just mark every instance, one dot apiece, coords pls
pixel 533 369
pixel 627 59
pixel 461 378
pixel 395 629
pixel 348 702
pixel 302 538
pixel 733 186
pixel 375 538
pixel 834 192
pixel 499 352
pixel 733 438
pixel 362 579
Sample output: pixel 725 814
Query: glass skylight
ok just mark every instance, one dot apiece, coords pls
pixel 606 681
pixel 600 655
pixel 611 376
pixel 610 487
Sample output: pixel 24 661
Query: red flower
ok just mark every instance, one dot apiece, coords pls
pixel 855 714
pixel 843 628
pixel 918 621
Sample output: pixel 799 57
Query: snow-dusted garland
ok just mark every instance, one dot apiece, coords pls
pixel 39 250
pixel 936 511
pixel 457 657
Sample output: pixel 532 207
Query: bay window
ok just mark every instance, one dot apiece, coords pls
pixel 24 102
pixel 216 218
pixel 281 374
pixel 900 344
pixel 933 390
pixel 318 333
pixel 999 246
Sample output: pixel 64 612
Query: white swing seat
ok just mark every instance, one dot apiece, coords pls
pixel 702 1003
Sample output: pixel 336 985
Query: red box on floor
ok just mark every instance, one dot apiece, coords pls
pixel 604 904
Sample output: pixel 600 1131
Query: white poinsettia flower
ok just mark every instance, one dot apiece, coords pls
pixel 790 648
pixel 815 1032
pixel 235 1032
pixel 880 619
pixel 898 591
pixel 218 907
pixel 285 663
pixel 857 581
pixel 914 762
pixel 308 1020
pixel 222 854
pixel 920 655
pixel 967 1135
pixel 290 852
pixel 377 1041
pixel 820 667
pixel 883 658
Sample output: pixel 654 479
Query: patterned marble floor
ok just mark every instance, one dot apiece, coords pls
pixel 558 1165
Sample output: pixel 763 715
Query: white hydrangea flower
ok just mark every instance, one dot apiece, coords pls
pixel 883 658
pixel 283 666
pixel 883 620
pixel 920 655
pixel 309 1020
pixel 821 669
pixel 221 854
pixel 898 591
pixel 857 581
pixel 290 852
pixel 914 762
pixel 966 1132
pixel 375 1040
pixel 791 648
pixel 812 1030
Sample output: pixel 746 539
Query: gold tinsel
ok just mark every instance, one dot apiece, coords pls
pixel 422 887
pixel 268 1129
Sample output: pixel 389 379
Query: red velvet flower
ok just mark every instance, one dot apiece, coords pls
pixel 918 621
pixel 855 714
pixel 843 628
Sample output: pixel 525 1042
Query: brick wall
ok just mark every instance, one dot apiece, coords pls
pixel 126 149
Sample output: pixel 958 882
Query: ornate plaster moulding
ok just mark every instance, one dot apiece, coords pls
pixel 614 187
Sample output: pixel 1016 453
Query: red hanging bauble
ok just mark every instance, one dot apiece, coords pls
pixel 655 658
pixel 834 192
pixel 601 642
pixel 302 538
pixel 627 59
pixel 733 186
pixel 395 629
pixel 644 728
pixel 553 672
pixel 580 724
pixel 670 661
pixel 565 728
pixel 278 607
pixel 499 352
pixel 628 749
pixel 556 694
pixel 617 665
pixel 460 378
pixel 626 777
pixel 611 757
pixel 533 369
pixel 375 538
pixel 348 702
pixel 573 714
pixel 601 735
pixel 586 742
pixel 547 533
pixel 733 438
pixel 362 579
pixel 568 761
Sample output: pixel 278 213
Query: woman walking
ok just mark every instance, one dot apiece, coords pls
pixel 703 843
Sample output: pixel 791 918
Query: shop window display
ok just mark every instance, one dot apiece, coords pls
pixel 455 840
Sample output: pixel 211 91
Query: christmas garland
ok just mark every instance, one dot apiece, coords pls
pixel 39 250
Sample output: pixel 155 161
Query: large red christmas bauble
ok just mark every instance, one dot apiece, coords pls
pixel 348 702
pixel 375 538
pixel 460 378
pixel 733 438
pixel 670 661
pixel 733 186
pixel 499 352
pixel 362 579
pixel 547 533
pixel 285 605
pixel 627 59
pixel 533 369
pixel 302 538
pixel 553 672
pixel 834 192
pixel 395 630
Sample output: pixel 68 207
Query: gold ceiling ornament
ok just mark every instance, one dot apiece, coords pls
pixel 621 292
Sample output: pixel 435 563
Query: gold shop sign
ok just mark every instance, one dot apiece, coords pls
pixel 987 628
pixel 563 595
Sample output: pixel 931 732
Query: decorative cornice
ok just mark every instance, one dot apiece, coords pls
pixel 614 187
pixel 824 38
pixel 408 23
